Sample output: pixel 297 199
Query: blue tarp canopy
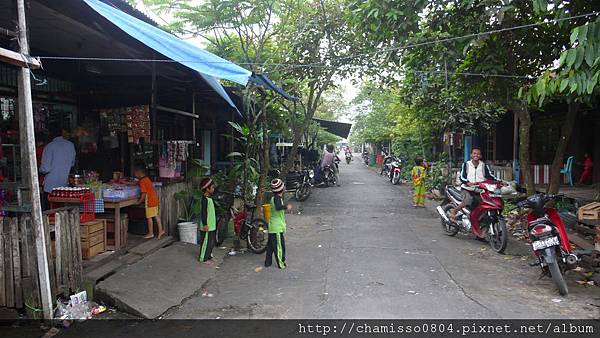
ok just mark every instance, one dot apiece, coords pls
pixel 263 80
pixel 210 66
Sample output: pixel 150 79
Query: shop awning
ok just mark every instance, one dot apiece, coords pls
pixel 210 66
pixel 340 129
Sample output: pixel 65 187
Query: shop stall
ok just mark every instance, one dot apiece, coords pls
pixel 117 114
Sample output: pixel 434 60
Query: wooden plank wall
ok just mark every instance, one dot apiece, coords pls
pixel 168 205
pixel 19 282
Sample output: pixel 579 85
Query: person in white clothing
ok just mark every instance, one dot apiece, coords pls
pixel 471 173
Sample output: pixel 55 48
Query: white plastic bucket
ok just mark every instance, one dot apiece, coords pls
pixel 188 232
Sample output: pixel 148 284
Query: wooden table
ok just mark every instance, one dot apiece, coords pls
pixel 117 205
pixel 108 204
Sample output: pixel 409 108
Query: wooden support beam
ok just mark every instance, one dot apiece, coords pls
pixel 16 59
pixel 177 111
pixel 41 236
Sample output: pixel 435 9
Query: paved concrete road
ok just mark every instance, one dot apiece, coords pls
pixel 362 251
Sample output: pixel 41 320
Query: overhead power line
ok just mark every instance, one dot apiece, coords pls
pixel 324 64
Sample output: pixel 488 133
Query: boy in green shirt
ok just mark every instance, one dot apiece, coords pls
pixel 277 226
pixel 208 222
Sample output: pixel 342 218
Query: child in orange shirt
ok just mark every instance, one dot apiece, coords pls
pixel 150 199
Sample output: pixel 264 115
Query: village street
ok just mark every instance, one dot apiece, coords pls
pixel 362 251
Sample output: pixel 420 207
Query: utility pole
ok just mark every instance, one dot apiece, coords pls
pixel 451 134
pixel 36 208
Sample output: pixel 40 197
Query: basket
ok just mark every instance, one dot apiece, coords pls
pixel 88 208
pixel 267 211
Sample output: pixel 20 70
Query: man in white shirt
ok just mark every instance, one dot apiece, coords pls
pixel 57 160
pixel 471 173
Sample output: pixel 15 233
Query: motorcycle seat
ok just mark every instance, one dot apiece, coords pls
pixel 456 193
pixel 541 220
pixel 250 206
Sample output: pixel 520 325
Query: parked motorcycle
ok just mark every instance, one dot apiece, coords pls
pixel 484 221
pixel 365 157
pixel 386 166
pixel 303 186
pixel 549 239
pixel 395 171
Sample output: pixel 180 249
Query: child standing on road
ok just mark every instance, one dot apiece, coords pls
pixel 150 199
pixel 208 222
pixel 277 226
pixel 418 177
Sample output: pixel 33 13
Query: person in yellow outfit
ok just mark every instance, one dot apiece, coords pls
pixel 277 226
pixel 418 178
pixel 149 198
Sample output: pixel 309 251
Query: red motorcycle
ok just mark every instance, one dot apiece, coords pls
pixel 549 239
pixel 485 221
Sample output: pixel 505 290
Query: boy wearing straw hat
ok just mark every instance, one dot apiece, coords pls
pixel 208 222
pixel 277 226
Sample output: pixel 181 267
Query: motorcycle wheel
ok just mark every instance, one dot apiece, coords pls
pixel 222 229
pixel 499 240
pixel 258 236
pixel 396 179
pixel 449 229
pixel 558 278
pixel 302 193
pixel 327 179
pixel 347 161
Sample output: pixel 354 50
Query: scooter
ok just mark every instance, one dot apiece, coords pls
pixel 348 158
pixel 396 171
pixel 549 239
pixel 365 157
pixel 386 167
pixel 485 221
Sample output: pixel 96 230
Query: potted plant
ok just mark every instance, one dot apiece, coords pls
pixel 188 203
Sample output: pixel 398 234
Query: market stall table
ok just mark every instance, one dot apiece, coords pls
pixel 117 205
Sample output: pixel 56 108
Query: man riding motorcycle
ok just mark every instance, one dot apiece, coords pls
pixel 330 159
pixel 471 173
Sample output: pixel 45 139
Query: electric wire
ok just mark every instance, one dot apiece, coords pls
pixel 324 63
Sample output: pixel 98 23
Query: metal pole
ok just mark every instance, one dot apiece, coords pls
pixel 451 135
pixel 36 212
pixel 153 119
pixel 194 120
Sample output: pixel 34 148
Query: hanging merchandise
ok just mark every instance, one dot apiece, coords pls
pixel 137 121
pixel 173 154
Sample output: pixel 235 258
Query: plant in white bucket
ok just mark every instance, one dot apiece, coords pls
pixel 188 203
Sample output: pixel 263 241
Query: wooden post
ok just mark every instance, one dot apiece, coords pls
pixel 36 213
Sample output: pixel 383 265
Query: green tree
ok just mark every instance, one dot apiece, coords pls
pixel 574 80
pixel 506 59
